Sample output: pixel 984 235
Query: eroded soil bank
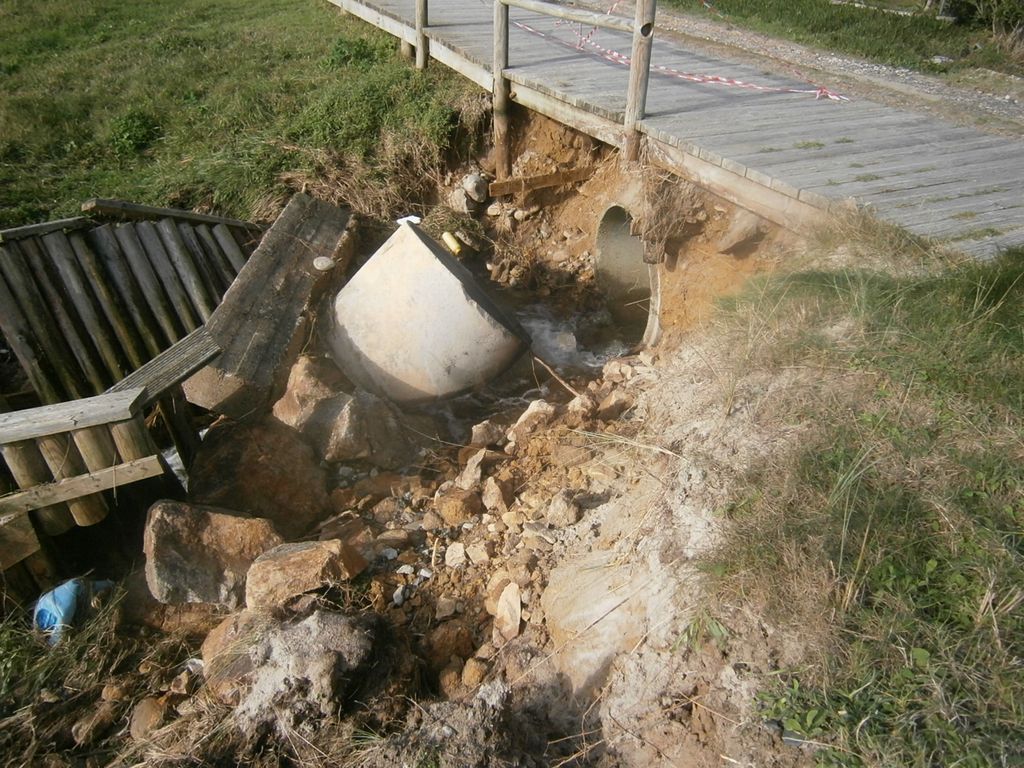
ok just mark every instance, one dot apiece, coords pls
pixel 508 578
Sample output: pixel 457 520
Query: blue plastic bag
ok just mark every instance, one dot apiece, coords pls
pixel 57 609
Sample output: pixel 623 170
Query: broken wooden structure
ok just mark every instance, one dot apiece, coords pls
pixel 85 301
pixel 63 458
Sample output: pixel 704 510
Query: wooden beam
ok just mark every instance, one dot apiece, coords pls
pixel 501 95
pixel 73 488
pixel 46 420
pixel 639 75
pixel 18 539
pixel 122 209
pixel 589 18
pixel 172 366
pixel 528 183
pixel 34 230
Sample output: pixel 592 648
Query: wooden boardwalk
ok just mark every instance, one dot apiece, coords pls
pixel 780 152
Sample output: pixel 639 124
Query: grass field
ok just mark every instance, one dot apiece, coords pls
pixel 906 498
pixel 201 104
pixel 905 41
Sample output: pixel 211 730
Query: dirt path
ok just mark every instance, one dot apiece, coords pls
pixel 981 98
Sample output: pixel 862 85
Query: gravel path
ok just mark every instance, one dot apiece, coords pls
pixel 1001 112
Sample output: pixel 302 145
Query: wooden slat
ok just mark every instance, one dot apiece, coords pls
pixel 77 414
pixel 128 289
pixel 216 255
pixel 81 486
pixel 34 230
pixel 96 333
pixel 195 285
pixel 229 247
pixel 215 281
pixel 169 277
pixel 18 539
pixel 171 367
pixel 529 183
pixel 73 329
pixel 99 206
pixel 149 283
pixel 25 347
pixel 65 462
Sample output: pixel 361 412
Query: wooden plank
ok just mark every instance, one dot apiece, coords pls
pixel 73 329
pixel 22 342
pixel 110 303
pixel 35 230
pixel 81 486
pixel 46 334
pixel 588 18
pixel 171 281
pixel 172 366
pixel 216 254
pixel 195 286
pixel 542 181
pixel 28 469
pixel 149 283
pixel 229 247
pixel 99 206
pixel 207 265
pixel 18 539
pixel 77 414
pixel 99 333
pixel 65 462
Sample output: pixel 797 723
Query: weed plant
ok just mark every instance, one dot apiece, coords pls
pixel 907 496
pixel 213 105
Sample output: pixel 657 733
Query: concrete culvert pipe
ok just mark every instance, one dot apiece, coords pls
pixel 629 284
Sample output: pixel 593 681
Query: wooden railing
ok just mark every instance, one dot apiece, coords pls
pixel 642 29
pixel 62 457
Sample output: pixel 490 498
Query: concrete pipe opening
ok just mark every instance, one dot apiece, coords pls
pixel 629 284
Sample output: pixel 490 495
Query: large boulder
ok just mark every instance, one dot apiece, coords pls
pixel 307 670
pixel 265 469
pixel 294 569
pixel 198 554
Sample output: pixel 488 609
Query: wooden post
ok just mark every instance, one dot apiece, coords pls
pixel 422 44
pixel 28 469
pixel 639 74
pixel 64 460
pixel 501 102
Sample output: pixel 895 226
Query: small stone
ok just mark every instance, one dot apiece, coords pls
pixel 508 615
pixel 405 570
pixel 519 214
pixel 456 506
pixel 617 372
pixel 473 672
pixel 496 495
pixel 396 538
pixel 539 413
pixel 495 586
pixel 494 209
pixel 148 715
pixel 445 608
pixel 469 478
pixel 563 511
pixel 431 521
pixel 513 518
pixel 389 553
pixel 614 405
pixel 184 683
pixel 114 692
pixel 455 555
pixel 323 263
pixel 477 554
pixel 450 679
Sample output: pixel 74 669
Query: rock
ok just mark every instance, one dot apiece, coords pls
pixel 539 413
pixel 477 554
pixel 494 209
pixel 617 372
pixel 386 510
pixel 456 506
pixel 363 426
pixel 476 187
pixel 460 202
pixel 473 672
pixel 310 381
pixel 294 569
pixel 431 521
pixel 148 715
pixel 452 638
pixel 508 615
pixel 497 495
pixel 446 608
pixel 265 469
pixel 513 519
pixel 139 608
pixel 495 586
pixel 93 725
pixel 184 683
pixel 114 692
pixel 746 229
pixel 396 538
pixel 305 671
pixel 614 405
pixel 469 478
pixel 225 652
pixel 198 554
pixel 450 679
pixel 487 433
pixel 563 511
pixel 455 555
